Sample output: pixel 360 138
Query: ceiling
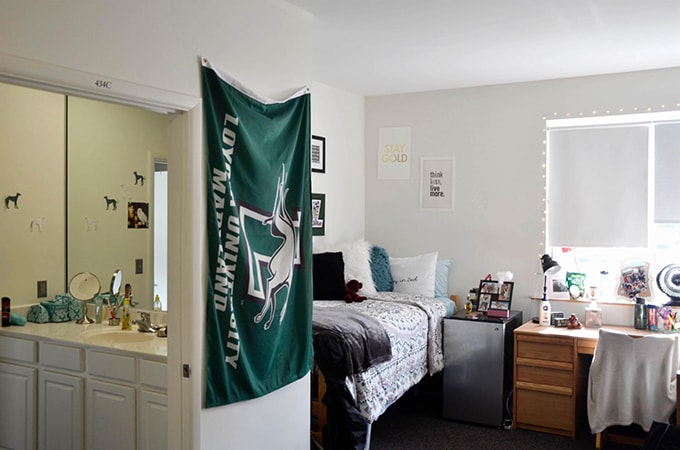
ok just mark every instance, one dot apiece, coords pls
pixel 379 47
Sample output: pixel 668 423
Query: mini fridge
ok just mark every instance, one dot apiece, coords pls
pixel 478 362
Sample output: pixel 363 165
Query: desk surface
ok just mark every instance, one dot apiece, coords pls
pixel 586 337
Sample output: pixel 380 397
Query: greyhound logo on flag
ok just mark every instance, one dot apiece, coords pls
pixel 282 262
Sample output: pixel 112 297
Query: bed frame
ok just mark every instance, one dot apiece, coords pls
pixel 318 390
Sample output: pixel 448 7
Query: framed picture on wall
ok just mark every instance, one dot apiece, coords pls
pixel 318 154
pixel 318 214
pixel 437 183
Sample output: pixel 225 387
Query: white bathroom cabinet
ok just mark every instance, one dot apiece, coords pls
pixel 60 395
pixel 17 410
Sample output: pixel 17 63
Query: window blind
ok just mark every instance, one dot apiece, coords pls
pixel 667 173
pixel 597 186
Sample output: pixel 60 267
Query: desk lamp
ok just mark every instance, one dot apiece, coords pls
pixel 550 267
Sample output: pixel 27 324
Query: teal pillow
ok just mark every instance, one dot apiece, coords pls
pixel 380 270
pixel 441 278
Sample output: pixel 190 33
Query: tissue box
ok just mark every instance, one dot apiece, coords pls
pixel 593 318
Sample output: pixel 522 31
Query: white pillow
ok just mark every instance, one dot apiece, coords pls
pixel 357 259
pixel 415 274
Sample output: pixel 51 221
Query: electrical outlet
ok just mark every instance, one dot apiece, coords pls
pixel 42 289
pixel 139 266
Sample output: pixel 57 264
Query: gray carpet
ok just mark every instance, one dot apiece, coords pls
pixel 415 423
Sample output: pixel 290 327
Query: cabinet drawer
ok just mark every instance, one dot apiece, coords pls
pixel 153 374
pixel 112 366
pixel 18 349
pixel 62 356
pixel 541 409
pixel 543 375
pixel 551 349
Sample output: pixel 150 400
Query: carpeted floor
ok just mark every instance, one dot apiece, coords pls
pixel 415 423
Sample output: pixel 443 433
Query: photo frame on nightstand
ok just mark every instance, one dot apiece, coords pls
pixel 495 297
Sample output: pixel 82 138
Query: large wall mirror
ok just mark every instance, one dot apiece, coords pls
pixel 78 180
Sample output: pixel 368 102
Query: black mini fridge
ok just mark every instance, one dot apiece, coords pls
pixel 478 362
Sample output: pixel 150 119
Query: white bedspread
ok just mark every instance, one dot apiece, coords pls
pixel 414 325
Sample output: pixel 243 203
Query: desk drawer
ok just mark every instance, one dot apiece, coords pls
pixel 550 411
pixel 550 349
pixel 543 375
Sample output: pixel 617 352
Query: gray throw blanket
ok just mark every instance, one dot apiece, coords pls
pixel 347 342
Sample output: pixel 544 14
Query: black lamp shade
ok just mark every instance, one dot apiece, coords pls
pixel 550 266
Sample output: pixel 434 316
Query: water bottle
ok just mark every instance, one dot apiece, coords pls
pixel 640 314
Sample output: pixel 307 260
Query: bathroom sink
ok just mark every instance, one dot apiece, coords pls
pixel 117 337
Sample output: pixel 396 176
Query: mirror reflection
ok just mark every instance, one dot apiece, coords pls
pixel 86 172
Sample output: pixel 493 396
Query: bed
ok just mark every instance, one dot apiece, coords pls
pixel 369 353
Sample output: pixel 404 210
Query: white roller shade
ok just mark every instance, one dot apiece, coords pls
pixel 667 173
pixel 597 181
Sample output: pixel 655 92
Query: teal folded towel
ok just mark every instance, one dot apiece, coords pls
pixel 16 319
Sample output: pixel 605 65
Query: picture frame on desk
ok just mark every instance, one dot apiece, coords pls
pixel 498 297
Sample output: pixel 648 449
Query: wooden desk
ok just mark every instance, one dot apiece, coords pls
pixel 551 375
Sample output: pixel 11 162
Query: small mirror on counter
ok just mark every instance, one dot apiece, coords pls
pixel 84 286
pixel 116 283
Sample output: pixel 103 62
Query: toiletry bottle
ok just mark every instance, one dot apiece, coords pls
pixel 128 293
pixel 125 319
pixel 544 314
pixel 98 310
pixel 157 303
pixel 5 311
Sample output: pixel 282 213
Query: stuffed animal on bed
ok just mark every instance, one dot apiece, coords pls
pixel 352 291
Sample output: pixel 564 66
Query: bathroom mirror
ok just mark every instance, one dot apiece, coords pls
pixel 84 286
pixel 85 171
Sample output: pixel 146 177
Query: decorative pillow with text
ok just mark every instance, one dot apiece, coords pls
pixel 415 274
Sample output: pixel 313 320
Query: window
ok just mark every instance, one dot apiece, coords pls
pixel 613 199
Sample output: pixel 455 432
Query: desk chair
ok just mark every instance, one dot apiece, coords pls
pixel 632 380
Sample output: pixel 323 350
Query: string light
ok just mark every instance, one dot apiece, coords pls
pixel 555 114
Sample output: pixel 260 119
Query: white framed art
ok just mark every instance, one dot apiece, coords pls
pixel 437 183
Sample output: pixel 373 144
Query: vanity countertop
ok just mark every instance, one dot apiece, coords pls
pixel 93 335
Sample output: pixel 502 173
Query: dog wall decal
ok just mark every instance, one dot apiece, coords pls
pixel 91 223
pixel 139 178
pixel 112 202
pixel 12 199
pixel 37 223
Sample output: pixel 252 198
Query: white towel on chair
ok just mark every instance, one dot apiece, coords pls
pixel 632 380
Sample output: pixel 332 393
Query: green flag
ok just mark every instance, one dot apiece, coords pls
pixel 259 305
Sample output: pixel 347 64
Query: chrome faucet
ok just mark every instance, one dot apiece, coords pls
pixel 144 324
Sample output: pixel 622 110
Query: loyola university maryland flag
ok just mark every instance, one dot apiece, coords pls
pixel 259 305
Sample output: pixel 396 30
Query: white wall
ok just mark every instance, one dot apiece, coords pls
pixel 338 116
pixel 496 135
pixel 265 44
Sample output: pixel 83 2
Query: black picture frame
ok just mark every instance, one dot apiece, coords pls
pixel 317 155
pixel 495 296
pixel 318 214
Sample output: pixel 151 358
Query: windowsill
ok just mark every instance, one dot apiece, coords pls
pixel 586 301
